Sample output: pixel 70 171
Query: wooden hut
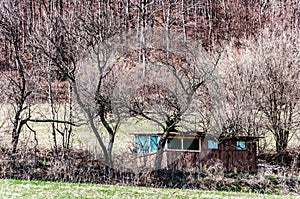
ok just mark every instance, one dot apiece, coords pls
pixel 196 151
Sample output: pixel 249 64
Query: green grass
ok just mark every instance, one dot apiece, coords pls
pixel 37 189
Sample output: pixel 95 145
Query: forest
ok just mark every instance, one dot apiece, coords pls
pixel 223 67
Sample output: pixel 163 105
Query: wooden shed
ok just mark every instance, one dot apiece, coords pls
pixel 197 151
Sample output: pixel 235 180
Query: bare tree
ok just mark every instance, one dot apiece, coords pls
pixel 263 86
pixel 102 33
pixel 78 46
pixel 166 94
pixel 60 103
pixel 278 88
pixel 239 77
pixel 21 26
pixel 14 32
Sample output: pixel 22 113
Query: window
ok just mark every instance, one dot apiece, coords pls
pixel 149 144
pixel 212 144
pixel 183 144
pixel 174 143
pixel 141 143
pixel 241 145
pixel 154 140
pixel 146 144
pixel 191 144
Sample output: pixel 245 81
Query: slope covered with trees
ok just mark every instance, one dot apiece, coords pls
pixel 232 63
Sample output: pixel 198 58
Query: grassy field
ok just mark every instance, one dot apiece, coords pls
pixel 36 189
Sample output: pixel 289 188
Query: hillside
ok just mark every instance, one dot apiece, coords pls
pixel 224 66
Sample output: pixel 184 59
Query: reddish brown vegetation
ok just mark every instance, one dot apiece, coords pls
pixel 289 158
pixel 211 22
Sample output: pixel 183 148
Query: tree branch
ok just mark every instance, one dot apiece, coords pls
pixel 50 121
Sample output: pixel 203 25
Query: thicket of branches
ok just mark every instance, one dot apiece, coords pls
pixel 238 56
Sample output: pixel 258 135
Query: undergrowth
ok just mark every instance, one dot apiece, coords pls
pixel 80 167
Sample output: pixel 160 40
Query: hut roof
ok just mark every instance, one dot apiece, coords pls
pixel 202 135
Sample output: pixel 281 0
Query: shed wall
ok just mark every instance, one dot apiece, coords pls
pixel 244 161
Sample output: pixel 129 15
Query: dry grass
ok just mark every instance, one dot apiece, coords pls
pixel 83 137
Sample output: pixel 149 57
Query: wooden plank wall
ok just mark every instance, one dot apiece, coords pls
pixel 181 160
pixel 244 161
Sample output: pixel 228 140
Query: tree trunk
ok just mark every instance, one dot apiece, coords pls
pixel 111 136
pixel 22 95
pixel 15 138
pixel 70 104
pixel 168 31
pixel 160 151
pixel 91 122
pixel 281 140
pixel 109 149
pixel 16 132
